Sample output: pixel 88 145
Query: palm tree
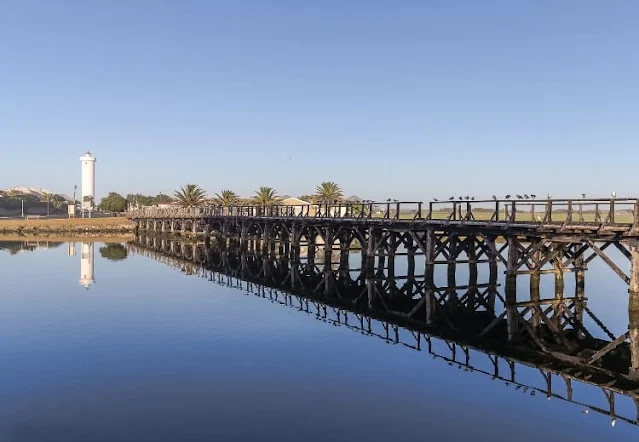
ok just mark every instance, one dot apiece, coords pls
pixel 227 198
pixel 266 196
pixel 328 192
pixel 190 195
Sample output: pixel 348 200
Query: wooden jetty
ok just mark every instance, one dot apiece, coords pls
pixel 481 239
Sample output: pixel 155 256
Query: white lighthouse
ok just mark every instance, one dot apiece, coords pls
pixel 88 181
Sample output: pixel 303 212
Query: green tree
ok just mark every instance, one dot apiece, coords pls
pixel 160 198
pixel 308 198
pixel 114 252
pixel 328 192
pixel 227 198
pixel 89 199
pixel 113 202
pixel 266 196
pixel 48 198
pixel 137 199
pixel 190 195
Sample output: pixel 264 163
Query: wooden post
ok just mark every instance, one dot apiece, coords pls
pixel 580 289
pixel 511 288
pixel 328 258
pixel 370 266
pixel 492 275
pixel 429 275
pixel 452 300
pixel 472 273
pixel 633 309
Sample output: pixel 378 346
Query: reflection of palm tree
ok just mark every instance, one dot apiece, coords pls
pixel 190 195
pixel 266 196
pixel 328 192
pixel 227 198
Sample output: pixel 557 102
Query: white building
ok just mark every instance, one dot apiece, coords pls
pixel 86 265
pixel 88 180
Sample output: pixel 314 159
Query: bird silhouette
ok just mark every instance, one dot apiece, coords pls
pixel 583 195
pixel 461 198
pixel 388 200
pixel 435 199
pixel 467 197
pixel 507 197
pixel 526 196
pixel 614 195
pixel 451 198
pixel 520 197
pixel 472 198
pixel 549 196
pixel 495 197
pixel 533 196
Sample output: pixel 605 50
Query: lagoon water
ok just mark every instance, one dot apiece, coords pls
pixel 134 350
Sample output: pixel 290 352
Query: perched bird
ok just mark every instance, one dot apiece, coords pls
pixel 495 197
pixel 507 197
pixel 519 197
pixel 388 200
pixel 533 196
pixel 583 195
pixel 526 196
pixel 435 199
pixel 549 196
pixel 614 195
pixel 461 198
pixel 472 198
pixel 467 197
pixel 451 198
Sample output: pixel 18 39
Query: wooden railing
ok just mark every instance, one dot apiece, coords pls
pixel 603 212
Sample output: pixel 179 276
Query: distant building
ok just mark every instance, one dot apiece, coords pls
pixel 292 201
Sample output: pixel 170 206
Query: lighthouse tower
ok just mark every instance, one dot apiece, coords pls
pixel 88 181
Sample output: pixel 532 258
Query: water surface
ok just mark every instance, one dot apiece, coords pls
pixel 101 348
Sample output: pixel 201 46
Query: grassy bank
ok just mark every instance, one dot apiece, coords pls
pixel 73 226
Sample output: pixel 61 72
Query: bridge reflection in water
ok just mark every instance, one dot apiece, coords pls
pixel 560 337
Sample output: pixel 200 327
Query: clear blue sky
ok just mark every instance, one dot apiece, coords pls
pixel 400 99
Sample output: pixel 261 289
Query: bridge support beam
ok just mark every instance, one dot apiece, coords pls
pixel 633 309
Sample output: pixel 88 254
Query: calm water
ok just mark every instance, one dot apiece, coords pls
pixel 133 350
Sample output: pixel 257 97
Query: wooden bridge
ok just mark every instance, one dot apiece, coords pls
pixel 526 239
pixel 465 328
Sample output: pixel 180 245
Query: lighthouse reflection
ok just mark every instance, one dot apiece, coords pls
pixel 87 265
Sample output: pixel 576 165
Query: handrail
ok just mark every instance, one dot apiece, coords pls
pixel 599 212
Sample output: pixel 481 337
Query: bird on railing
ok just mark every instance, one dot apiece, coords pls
pixel 583 195
pixel 472 198
pixel 533 196
pixel 519 197
pixel 549 196
pixel 388 200
pixel 435 199
pixel 613 194
pixel 526 196
pixel 451 198
pixel 507 197
pixel 461 198
pixel 467 197
pixel 495 197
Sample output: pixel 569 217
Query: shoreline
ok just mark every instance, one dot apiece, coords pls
pixel 66 227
